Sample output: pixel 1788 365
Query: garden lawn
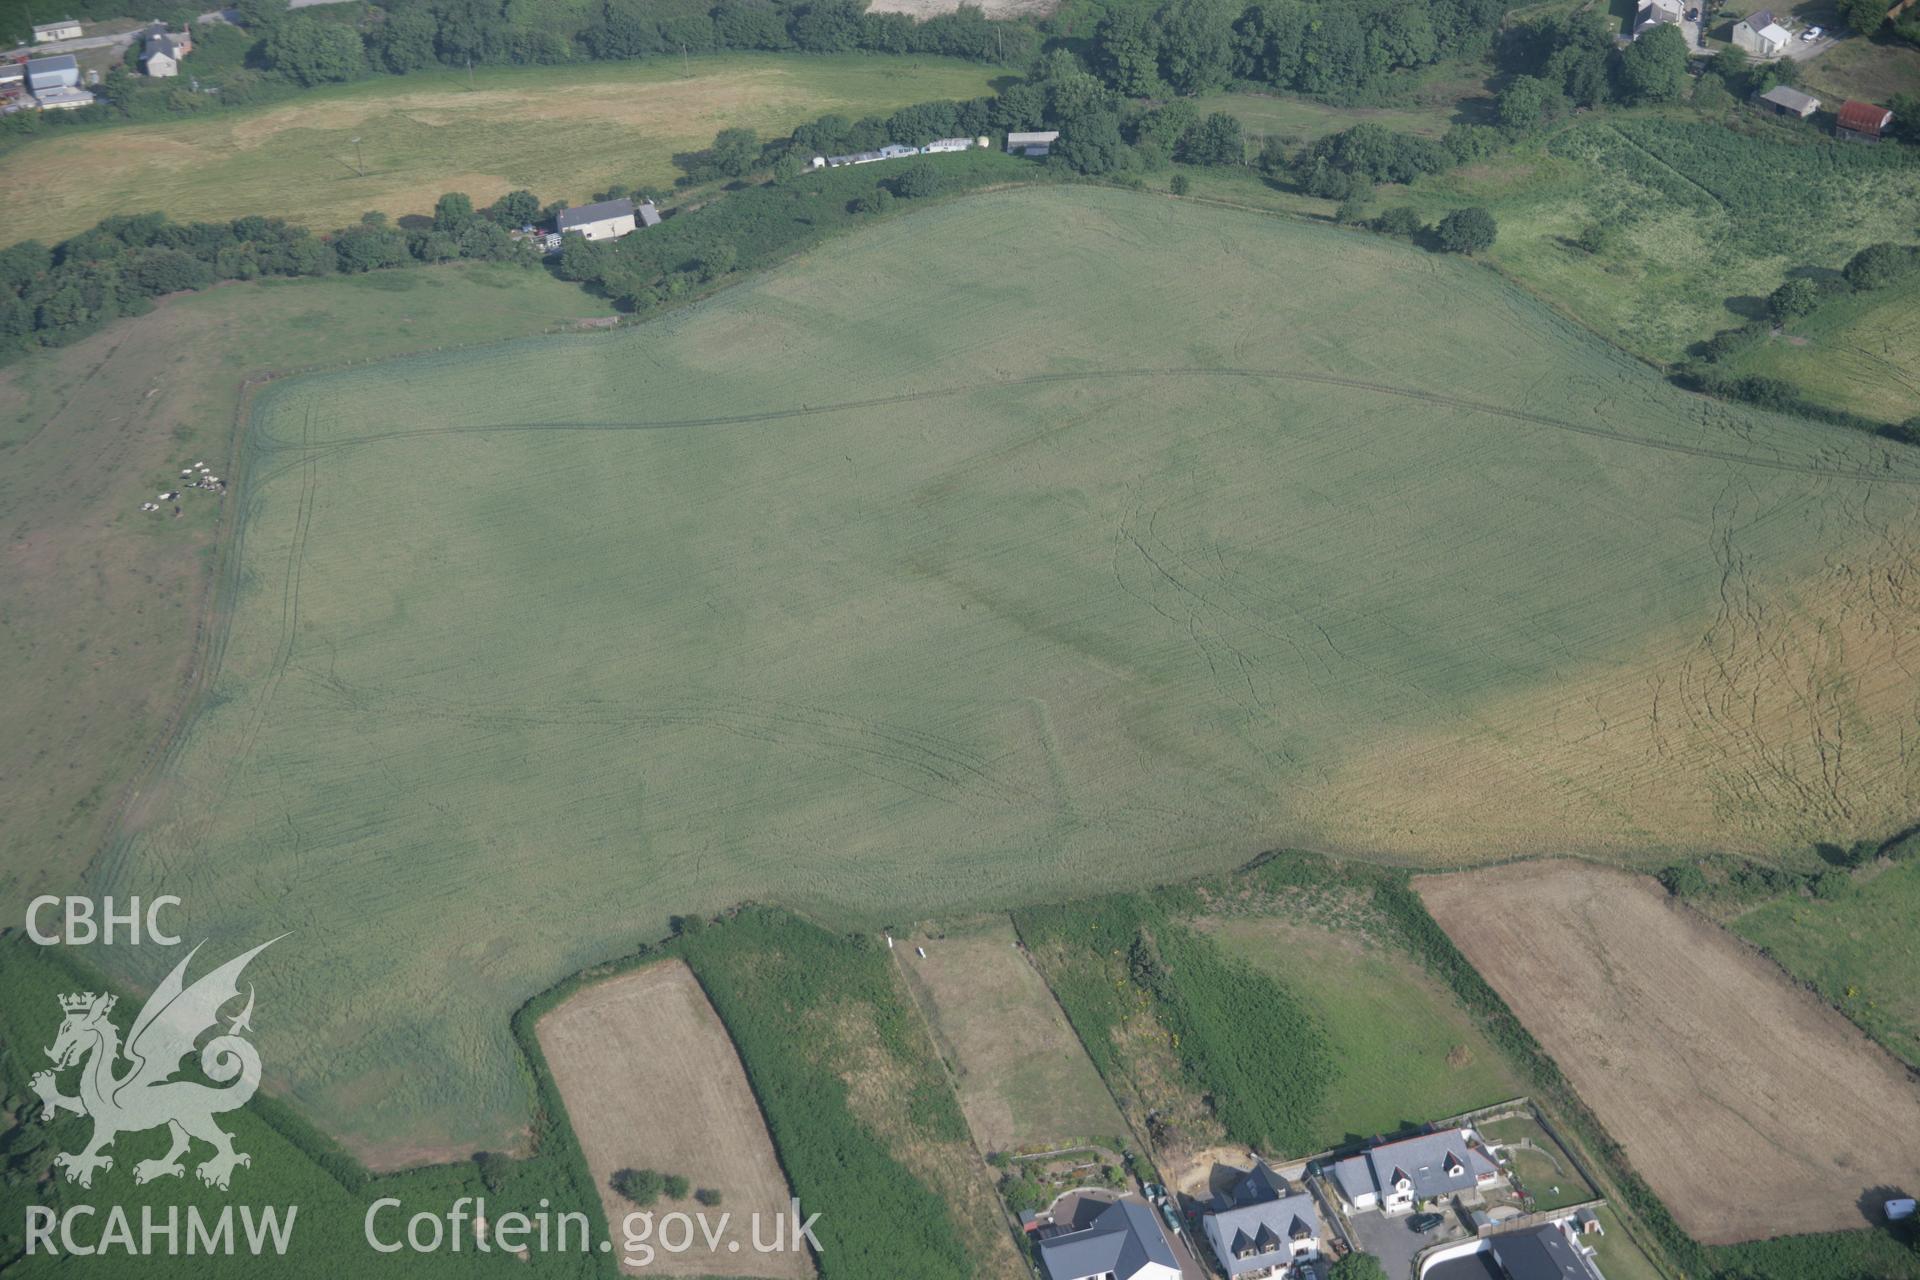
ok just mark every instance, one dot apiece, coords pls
pixel 1405 1053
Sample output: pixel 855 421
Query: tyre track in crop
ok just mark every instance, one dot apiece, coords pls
pixel 898 754
pixel 1173 371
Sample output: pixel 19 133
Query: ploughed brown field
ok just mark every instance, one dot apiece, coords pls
pixel 651 1081
pixel 1752 1108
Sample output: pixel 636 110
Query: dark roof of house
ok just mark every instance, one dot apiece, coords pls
pixel 1863 117
pixel 1258 1185
pixel 1543 1253
pixel 1121 1239
pixel 1434 1164
pixel 581 215
pixel 1764 18
pixel 1261 1231
pixel 162 42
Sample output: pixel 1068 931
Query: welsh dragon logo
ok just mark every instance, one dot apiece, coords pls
pixel 146 1095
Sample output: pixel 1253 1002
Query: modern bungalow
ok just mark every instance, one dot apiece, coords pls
pixel 1121 1242
pixel 1395 1176
pixel 1545 1252
pixel 65 29
pixel 1262 1227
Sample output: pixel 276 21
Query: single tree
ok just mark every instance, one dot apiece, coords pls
pixel 676 1186
pixel 641 1186
pixel 1357 1266
pixel 1654 67
pixel 1793 299
pixel 1180 185
pixel 1466 231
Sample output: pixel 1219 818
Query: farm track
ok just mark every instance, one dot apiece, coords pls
pixel 1176 371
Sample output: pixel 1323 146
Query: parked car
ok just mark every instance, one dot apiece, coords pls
pixel 1421 1223
pixel 1813 33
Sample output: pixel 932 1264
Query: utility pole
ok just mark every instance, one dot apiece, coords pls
pixel 686 71
pixel 358 167
pixel 469 73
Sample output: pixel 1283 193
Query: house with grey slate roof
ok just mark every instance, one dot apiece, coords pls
pixel 1541 1253
pixel 1263 1227
pixel 1121 1242
pixel 1395 1176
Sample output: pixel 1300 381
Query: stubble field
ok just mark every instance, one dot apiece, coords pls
pixel 1041 543
pixel 651 1081
pixel 560 132
pixel 1695 1052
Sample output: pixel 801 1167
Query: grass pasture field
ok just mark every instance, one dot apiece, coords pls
pixel 1859 352
pixel 1710 218
pixel 560 132
pixel 916 577
pixel 1695 1052
pixel 1861 951
pixel 99 603
pixel 651 1081
pixel 1405 1052
pixel 1024 1080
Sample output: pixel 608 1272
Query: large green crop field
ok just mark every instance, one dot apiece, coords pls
pixel 1041 542
pixel 561 132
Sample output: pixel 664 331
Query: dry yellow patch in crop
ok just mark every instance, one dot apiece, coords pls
pixel 1791 716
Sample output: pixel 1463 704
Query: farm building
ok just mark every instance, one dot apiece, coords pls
pixel 1395 1176
pixel 1760 35
pixel 607 220
pixel 13 76
pixel 1862 121
pixel 1032 144
pixel 1789 102
pixel 1655 13
pixel 857 157
pixel 58 72
pixel 63 98
pixel 1120 1242
pixel 164 51
pixel 939 145
pixel 648 213
pixel 894 151
pixel 65 29
pixel 1262 1228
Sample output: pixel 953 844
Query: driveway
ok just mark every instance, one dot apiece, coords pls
pixel 1396 1244
pixel 1799 50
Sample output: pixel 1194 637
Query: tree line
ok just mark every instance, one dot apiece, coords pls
pixel 54 296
